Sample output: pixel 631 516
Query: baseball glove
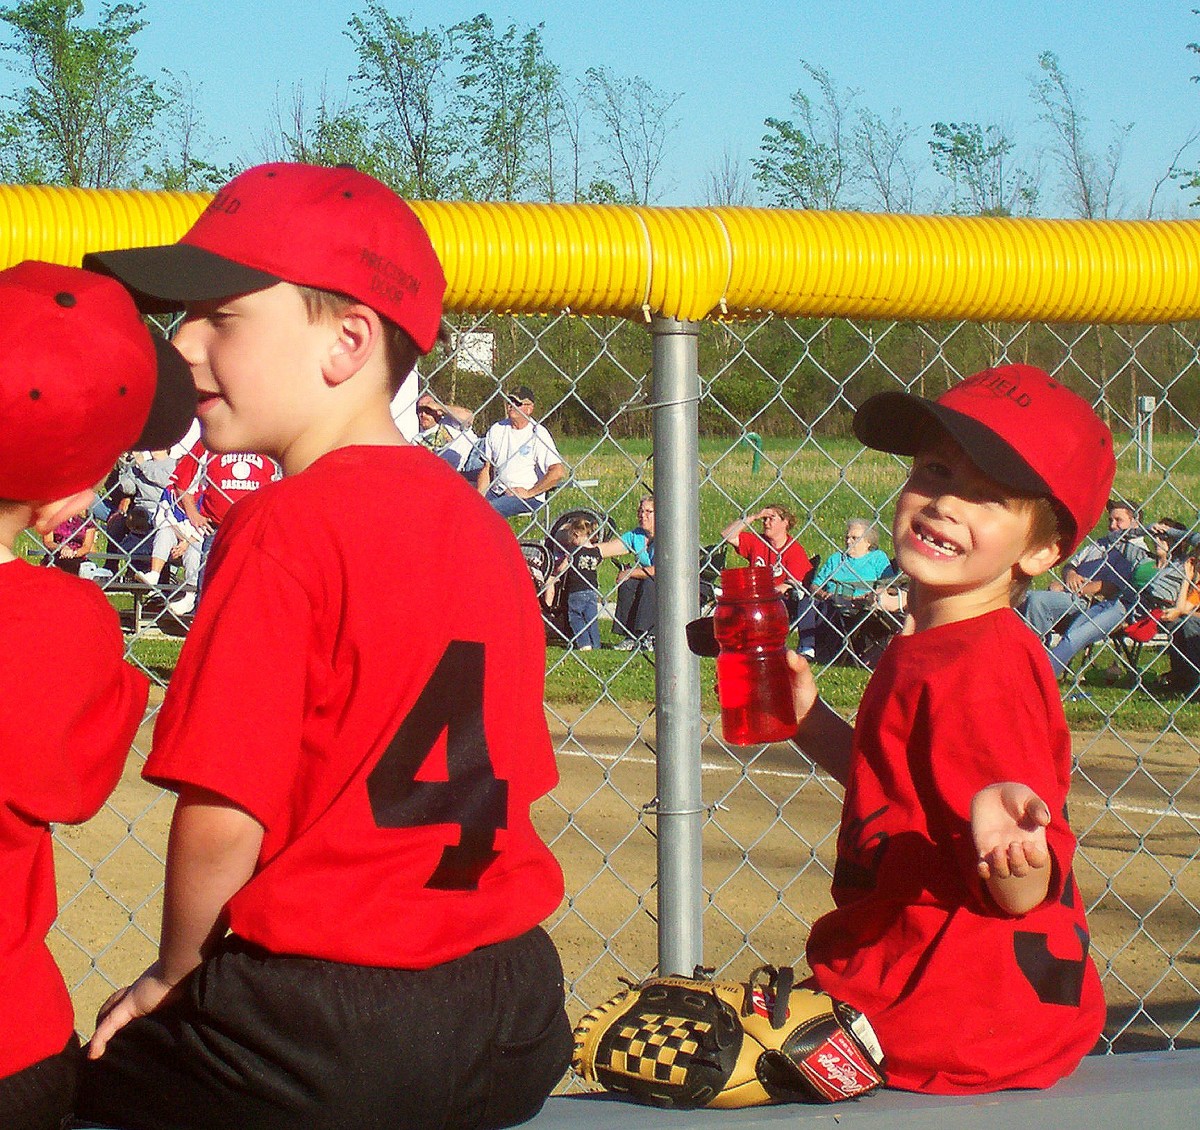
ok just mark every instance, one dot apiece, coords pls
pixel 687 1042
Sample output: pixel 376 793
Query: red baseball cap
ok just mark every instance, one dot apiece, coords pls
pixel 1019 426
pixel 331 229
pixel 81 380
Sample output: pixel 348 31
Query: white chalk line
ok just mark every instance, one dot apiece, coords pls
pixel 794 775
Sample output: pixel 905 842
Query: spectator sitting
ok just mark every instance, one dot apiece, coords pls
pixel 636 614
pixel 1097 588
pixel 175 540
pixel 144 477
pixel 841 588
pixel 521 462
pixel 1181 617
pixel 577 574
pixel 777 549
pixel 446 430
pixel 130 538
pixel 70 542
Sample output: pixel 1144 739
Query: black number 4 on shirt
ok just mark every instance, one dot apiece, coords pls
pixel 473 797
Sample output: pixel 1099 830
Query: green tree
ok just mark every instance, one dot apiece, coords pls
pixel 726 184
pixel 86 115
pixel 975 160
pixel 1088 178
pixel 809 162
pixel 1189 179
pixel 637 123
pixel 183 161
pixel 507 98
pixel 330 134
pixel 881 147
pixel 409 109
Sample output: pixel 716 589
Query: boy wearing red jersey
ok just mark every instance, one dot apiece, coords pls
pixel 959 930
pixel 81 381
pixel 355 777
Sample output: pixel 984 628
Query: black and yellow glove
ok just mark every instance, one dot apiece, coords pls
pixel 687 1042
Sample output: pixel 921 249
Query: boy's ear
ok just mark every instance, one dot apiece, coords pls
pixel 1039 559
pixel 359 333
pixel 47 515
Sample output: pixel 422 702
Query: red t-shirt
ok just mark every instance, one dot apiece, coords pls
pixel 72 707
pixel 964 998
pixel 790 563
pixel 380 714
pixel 220 480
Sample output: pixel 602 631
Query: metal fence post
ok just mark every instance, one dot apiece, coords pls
pixel 677 672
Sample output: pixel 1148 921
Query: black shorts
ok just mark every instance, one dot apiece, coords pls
pixel 41 1096
pixel 257 1040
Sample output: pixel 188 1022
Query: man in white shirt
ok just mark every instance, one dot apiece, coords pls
pixel 521 461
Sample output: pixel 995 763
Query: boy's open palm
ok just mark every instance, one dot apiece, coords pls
pixel 1008 823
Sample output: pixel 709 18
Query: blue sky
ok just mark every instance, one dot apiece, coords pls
pixel 736 64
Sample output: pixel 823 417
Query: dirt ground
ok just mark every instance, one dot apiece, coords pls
pixel 768 845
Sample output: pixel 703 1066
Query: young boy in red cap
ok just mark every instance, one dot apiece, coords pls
pixel 79 374
pixel 959 930
pixel 354 776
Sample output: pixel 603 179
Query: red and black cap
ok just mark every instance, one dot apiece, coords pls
pixel 81 380
pixel 332 229
pixel 1019 426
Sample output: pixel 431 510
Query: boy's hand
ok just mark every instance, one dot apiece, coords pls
pixel 138 999
pixel 822 734
pixel 804 685
pixel 1008 823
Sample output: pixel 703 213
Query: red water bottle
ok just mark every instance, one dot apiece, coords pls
pixel 753 686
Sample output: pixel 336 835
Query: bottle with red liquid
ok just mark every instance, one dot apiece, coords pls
pixel 751 625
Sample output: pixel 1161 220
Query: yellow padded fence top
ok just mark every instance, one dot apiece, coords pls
pixel 694 263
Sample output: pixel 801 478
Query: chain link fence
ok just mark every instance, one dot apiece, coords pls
pixel 776 398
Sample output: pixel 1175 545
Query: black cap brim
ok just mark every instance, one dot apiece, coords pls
pixel 900 423
pixel 174 405
pixel 169 277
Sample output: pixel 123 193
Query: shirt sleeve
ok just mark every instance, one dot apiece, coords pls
pixel 157 472
pixel 232 719
pixel 68 731
pixel 548 454
pixel 827 568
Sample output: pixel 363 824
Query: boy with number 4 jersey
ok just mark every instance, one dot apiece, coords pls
pixel 355 776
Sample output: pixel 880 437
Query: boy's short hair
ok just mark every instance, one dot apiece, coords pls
pixel 332 229
pixel 1020 427
pixel 81 380
pixel 399 350
pixel 1045 528
pixel 1115 503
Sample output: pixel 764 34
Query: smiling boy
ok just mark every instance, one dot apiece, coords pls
pixel 959 930
pixel 355 777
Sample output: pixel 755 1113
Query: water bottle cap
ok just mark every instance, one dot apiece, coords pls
pixel 748 583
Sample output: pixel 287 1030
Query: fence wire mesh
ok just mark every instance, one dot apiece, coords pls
pixel 777 399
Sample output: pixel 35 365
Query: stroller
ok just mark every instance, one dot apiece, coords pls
pixel 541 557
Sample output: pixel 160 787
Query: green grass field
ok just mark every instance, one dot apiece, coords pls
pixel 826 483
